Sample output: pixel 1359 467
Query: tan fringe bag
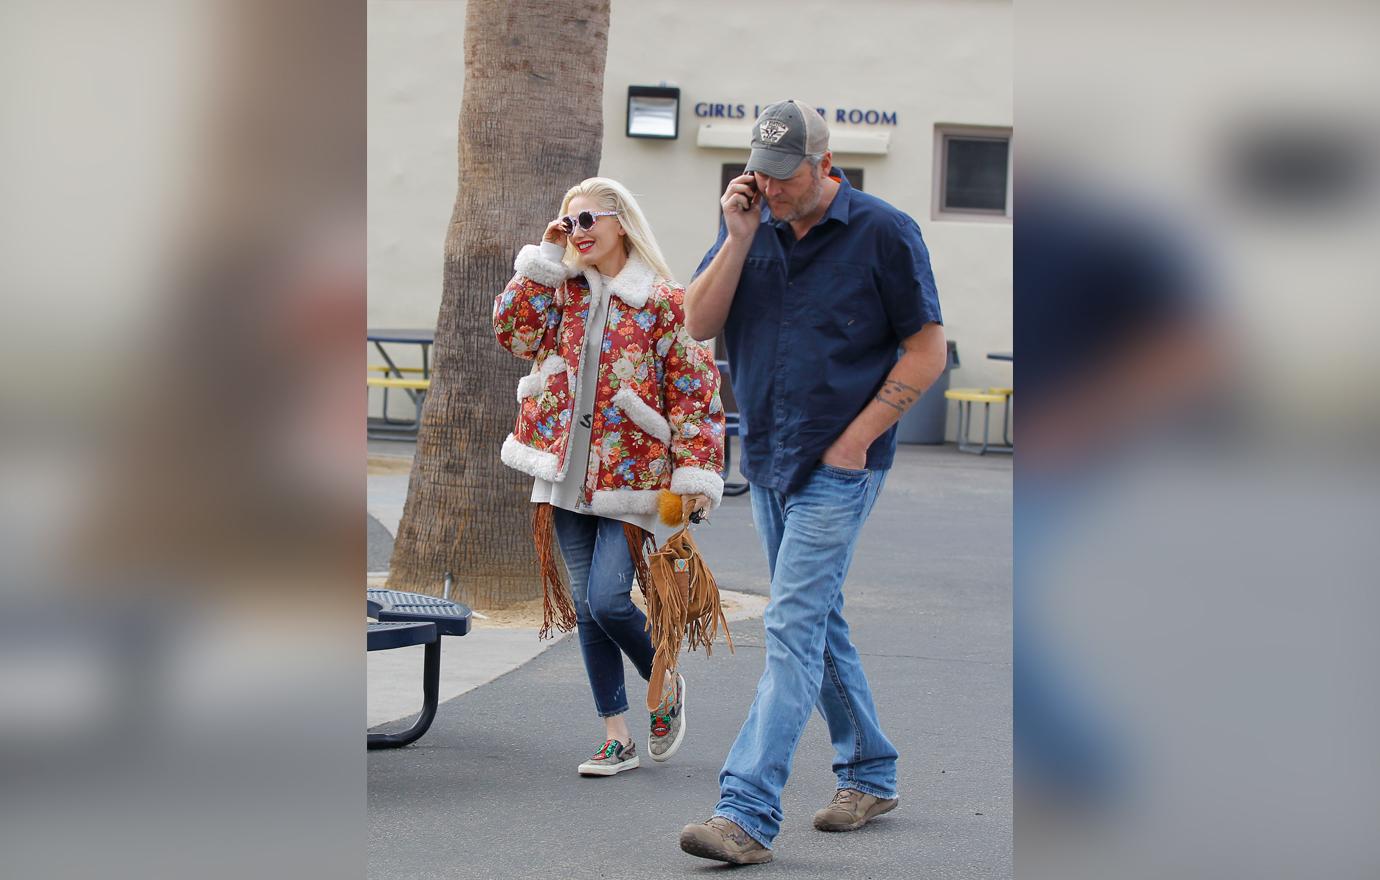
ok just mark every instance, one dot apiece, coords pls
pixel 682 603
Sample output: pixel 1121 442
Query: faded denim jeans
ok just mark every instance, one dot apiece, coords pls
pixel 610 625
pixel 809 536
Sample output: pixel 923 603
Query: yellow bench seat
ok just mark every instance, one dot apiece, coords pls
pixel 384 368
pixel 395 382
pixel 975 395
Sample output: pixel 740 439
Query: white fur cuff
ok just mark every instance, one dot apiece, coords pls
pixel 531 264
pixel 611 502
pixel 642 414
pixel 698 481
pixel 530 461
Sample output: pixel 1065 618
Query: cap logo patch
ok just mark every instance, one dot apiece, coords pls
pixel 773 131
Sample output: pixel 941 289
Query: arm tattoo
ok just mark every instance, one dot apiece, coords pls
pixel 898 395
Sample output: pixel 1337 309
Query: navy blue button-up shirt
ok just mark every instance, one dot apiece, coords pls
pixel 815 327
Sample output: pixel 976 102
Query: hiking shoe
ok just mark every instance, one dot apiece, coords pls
pixel 612 757
pixel 668 724
pixel 851 809
pixel 722 839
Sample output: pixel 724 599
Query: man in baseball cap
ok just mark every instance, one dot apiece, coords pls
pixel 811 300
pixel 789 168
pixel 784 135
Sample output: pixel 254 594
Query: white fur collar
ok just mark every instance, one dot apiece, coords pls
pixel 633 285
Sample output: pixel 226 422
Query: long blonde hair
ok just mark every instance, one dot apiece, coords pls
pixel 614 196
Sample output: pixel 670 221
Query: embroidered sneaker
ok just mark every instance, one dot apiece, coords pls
pixel 851 809
pixel 612 757
pixel 723 840
pixel 668 724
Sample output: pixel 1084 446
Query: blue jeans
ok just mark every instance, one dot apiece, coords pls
pixel 610 625
pixel 809 537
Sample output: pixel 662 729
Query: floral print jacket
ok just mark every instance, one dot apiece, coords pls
pixel 657 419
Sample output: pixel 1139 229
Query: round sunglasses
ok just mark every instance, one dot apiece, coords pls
pixel 584 219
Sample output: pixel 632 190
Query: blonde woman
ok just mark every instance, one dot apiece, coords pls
pixel 621 404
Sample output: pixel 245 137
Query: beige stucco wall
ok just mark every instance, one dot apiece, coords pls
pixel 930 62
pixel 416 71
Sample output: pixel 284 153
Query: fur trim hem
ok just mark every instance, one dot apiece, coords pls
pixel 642 414
pixel 530 461
pixel 634 284
pixel 698 481
pixel 611 502
pixel 531 264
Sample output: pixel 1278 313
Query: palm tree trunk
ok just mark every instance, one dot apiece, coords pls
pixel 531 126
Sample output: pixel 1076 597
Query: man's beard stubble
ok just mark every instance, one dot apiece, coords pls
pixel 807 203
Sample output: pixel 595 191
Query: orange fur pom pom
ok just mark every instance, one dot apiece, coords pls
pixel 672 513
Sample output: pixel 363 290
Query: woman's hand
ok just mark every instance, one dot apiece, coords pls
pixel 556 233
pixel 693 503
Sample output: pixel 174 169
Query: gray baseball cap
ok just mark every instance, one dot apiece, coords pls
pixel 786 133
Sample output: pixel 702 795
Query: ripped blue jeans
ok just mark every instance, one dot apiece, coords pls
pixel 610 625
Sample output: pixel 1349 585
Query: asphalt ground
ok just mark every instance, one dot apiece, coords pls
pixel 491 791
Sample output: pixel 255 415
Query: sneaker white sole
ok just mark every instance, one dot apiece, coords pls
pixel 680 734
pixel 609 769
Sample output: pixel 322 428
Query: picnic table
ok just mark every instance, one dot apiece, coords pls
pixel 412 381
pixel 414 336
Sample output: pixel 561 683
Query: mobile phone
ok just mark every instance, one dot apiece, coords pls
pixel 752 185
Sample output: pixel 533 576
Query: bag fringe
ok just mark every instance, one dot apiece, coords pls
pixel 640 542
pixel 557 608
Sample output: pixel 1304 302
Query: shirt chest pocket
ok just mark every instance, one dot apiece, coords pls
pixel 845 305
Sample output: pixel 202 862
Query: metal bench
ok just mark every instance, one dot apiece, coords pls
pixel 406 619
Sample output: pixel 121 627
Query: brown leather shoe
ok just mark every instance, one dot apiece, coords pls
pixel 851 809
pixel 722 839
